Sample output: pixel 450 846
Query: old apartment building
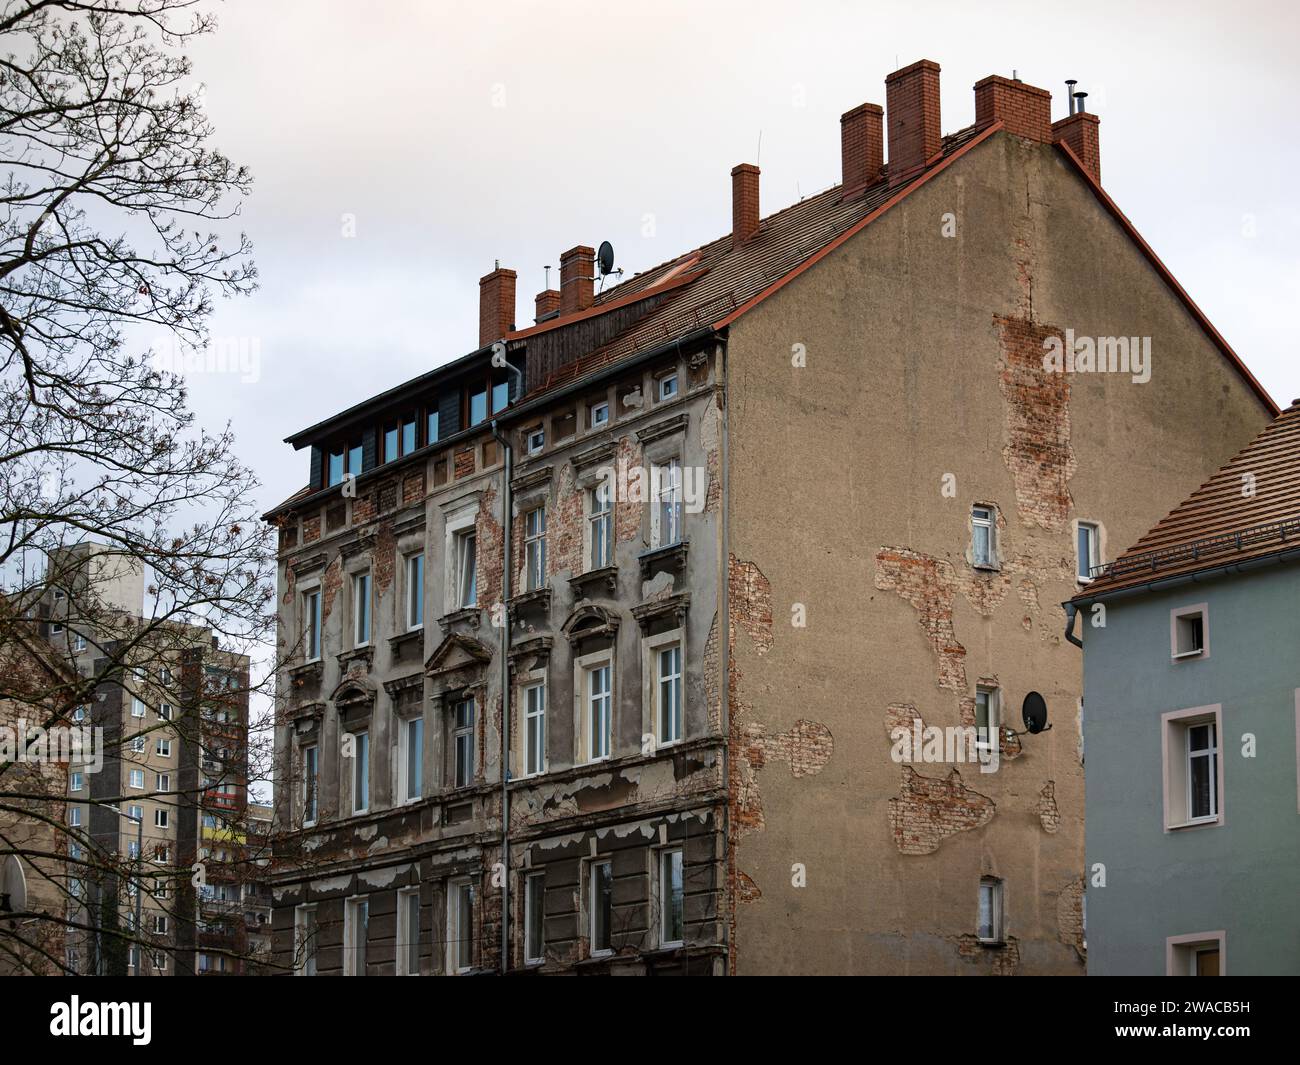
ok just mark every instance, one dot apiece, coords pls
pixel 171 791
pixel 685 556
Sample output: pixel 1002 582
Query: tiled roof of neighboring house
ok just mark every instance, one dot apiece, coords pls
pixel 1249 510
pixel 730 277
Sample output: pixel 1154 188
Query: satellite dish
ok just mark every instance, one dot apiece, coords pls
pixel 1034 712
pixel 605 258
pixel 13 886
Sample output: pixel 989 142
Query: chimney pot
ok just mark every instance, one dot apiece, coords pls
pixel 915 131
pixel 496 305
pixel 577 276
pixel 744 203
pixel 1023 109
pixel 862 148
pixel 1079 133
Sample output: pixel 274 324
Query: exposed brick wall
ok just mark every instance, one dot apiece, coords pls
pixel 999 961
pixel 412 488
pixel 930 585
pixel 1023 109
pixel 565 525
pixel 463 463
pixel 489 540
pixel 1069 917
pixel 311 529
pixel 364 509
pixel 384 559
pixel 1038 451
pixel 628 512
pixel 1048 815
pixel 331 582
pixel 929 810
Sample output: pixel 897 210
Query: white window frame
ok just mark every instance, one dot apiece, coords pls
pixel 356 935
pixel 666 386
pixel 310 794
pixel 1177 756
pixel 312 624
pixel 535 441
pixel 992 739
pixel 651 687
pixel 996 889
pixel 458 731
pixel 415 591
pixel 137 743
pixel 598 415
pixel 534 954
pixel 74 817
pixel 663 893
pixel 532 701
pixel 159 924
pixel 137 706
pixel 362 608
pixel 456 935
pixel 134 775
pixel 534 525
pixel 461 527
pixel 1179 622
pixel 163 748
pixel 1084 566
pixel 592 866
pixel 984 516
pixel 666 488
pixel 584 667
pixel 360 769
pixel 76 781
pixel 405 725
pixel 163 781
pixel 408 938
pixel 600 525
pixel 161 818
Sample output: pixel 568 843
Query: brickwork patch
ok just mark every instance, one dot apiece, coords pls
pixel 929 810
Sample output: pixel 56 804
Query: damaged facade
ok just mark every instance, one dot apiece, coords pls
pixel 712 533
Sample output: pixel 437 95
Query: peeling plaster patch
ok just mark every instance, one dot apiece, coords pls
pixel 384 560
pixel 709 419
pixel 331 884
pixel 378 878
pixel 367 832
pixel 1048 815
pixel 331 582
pixel 1069 917
pixel 1028 593
pixel 806 746
pixel 1000 960
pixel 746 889
pixel 488 544
pixel 627 512
pixel 1038 452
pixel 660 586
pixel 929 585
pixel 929 810
pixel 751 599
pixel 712 695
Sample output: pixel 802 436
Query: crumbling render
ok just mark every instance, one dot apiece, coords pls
pixel 929 810
pixel 1001 960
pixel 1069 918
pixel 1038 452
pixel 1048 815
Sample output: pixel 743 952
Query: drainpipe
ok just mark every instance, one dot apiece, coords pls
pixel 1070 611
pixel 507 533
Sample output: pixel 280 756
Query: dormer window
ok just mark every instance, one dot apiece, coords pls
pixel 599 415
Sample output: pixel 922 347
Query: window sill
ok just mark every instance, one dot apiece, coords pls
pixel 671 557
pixel 606 576
pixel 1187 656
pixel 985 567
pixel 1200 822
pixel 357 654
pixel 461 615
pixel 540 597
pixel 399 641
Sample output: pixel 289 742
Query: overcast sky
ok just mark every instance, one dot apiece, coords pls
pixel 450 135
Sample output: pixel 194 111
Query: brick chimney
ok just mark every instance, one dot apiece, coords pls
pixel 1079 133
pixel 496 305
pixel 862 148
pixel 548 302
pixel 1023 109
pixel 577 274
pixel 912 103
pixel 744 203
